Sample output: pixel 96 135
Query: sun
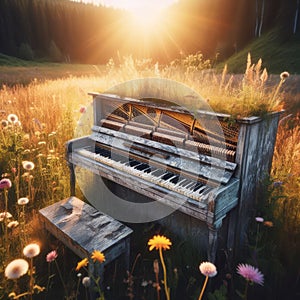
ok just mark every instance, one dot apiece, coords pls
pixel 146 13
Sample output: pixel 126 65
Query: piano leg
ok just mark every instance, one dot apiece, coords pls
pixel 72 179
pixel 212 243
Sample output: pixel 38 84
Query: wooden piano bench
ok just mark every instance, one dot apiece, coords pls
pixel 83 229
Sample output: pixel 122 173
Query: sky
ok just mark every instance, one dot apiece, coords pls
pixel 134 5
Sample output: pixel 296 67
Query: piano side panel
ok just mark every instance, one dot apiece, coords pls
pixel 254 158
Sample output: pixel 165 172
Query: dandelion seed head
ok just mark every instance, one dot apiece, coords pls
pixel 86 281
pixel 208 269
pixel 284 75
pixel 28 165
pixel 31 250
pixel 16 268
pixel 12 118
pixel 23 201
pixel 250 273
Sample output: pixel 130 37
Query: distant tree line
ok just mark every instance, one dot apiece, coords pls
pixel 61 30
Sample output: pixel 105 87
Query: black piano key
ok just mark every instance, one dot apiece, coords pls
pixel 197 187
pixel 141 167
pixel 167 176
pixel 134 163
pixel 174 179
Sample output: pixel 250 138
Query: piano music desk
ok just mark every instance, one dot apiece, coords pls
pixel 84 229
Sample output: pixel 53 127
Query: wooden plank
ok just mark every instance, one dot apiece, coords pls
pixel 84 229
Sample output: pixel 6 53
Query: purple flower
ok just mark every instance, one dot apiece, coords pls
pixel 250 273
pixel 5 183
pixel 259 219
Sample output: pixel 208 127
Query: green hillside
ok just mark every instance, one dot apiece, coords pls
pixel 6 60
pixel 277 54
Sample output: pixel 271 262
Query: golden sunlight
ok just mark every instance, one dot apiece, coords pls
pixel 146 14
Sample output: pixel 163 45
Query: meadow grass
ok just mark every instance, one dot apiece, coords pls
pixel 48 111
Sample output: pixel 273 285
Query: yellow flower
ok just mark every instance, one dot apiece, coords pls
pixel 159 242
pixel 98 256
pixel 81 264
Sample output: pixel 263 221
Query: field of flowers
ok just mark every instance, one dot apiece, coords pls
pixel 36 121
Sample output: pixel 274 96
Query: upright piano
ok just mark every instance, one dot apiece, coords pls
pixel 193 162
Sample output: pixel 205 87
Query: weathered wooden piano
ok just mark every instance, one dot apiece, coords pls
pixel 200 164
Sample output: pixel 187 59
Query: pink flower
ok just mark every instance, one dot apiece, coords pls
pixel 82 109
pixel 5 183
pixel 51 256
pixel 250 273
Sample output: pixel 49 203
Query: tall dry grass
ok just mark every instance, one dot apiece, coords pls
pixel 50 114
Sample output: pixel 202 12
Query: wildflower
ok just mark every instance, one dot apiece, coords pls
pixel 5 215
pixel 12 118
pixel 31 250
pixel 4 123
pixel 159 242
pixel 98 256
pixel 284 75
pixel 259 219
pixel 250 273
pixel 86 281
pixel 14 170
pixel 268 223
pixel 51 256
pixel 13 224
pixel 81 264
pixel 5 183
pixel 28 165
pixel 208 269
pixel 82 109
pixel 23 201
pixel 16 268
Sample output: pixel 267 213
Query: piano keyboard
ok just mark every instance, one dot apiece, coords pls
pixel 190 188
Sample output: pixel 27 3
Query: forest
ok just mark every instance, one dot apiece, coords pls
pixel 65 31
